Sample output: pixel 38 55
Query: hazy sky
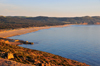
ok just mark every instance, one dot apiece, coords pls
pixel 51 8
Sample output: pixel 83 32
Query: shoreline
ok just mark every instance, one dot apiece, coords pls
pixel 5 34
pixel 33 57
pixel 10 33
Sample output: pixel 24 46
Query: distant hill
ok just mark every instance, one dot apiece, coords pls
pixel 12 22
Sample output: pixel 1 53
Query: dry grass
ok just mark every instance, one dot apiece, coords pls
pixel 28 56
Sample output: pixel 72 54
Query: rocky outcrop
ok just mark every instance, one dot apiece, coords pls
pixel 14 41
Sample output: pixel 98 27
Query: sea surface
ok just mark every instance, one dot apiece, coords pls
pixel 76 42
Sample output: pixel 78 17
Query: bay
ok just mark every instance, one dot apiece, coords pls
pixel 76 42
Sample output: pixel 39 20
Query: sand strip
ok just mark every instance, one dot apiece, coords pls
pixel 9 33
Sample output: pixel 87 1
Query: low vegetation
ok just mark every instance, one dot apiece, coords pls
pixel 13 22
pixel 35 57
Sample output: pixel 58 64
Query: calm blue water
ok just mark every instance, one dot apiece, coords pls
pixel 77 42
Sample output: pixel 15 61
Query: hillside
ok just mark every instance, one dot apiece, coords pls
pixel 35 57
pixel 13 22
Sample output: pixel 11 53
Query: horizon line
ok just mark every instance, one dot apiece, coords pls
pixel 49 16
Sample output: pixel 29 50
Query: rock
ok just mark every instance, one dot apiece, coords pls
pixel 42 64
pixel 26 41
pixel 10 56
pixel 2 40
pixel 6 41
pixel 16 40
pixel 31 43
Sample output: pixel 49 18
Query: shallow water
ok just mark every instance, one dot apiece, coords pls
pixel 77 42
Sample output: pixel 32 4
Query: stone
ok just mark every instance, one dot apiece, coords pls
pixel 16 40
pixel 10 56
pixel 6 41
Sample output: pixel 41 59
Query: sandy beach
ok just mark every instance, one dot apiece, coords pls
pixel 14 32
pixel 9 33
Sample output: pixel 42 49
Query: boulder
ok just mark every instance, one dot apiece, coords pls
pixel 6 41
pixel 10 55
pixel 16 40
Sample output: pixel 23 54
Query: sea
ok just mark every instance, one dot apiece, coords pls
pixel 76 42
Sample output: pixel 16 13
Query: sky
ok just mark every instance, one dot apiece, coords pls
pixel 50 8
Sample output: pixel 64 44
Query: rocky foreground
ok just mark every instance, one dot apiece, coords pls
pixel 19 56
pixel 6 62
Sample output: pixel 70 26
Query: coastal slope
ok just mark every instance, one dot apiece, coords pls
pixel 35 57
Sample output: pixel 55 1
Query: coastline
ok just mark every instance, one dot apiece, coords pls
pixel 32 57
pixel 10 33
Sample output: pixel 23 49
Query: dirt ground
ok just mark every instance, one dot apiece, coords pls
pixel 6 62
